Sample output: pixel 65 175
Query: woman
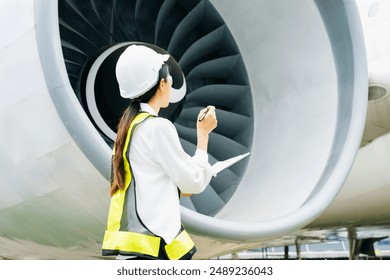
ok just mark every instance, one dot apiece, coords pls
pixel 150 168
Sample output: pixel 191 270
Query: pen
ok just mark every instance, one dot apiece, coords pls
pixel 204 115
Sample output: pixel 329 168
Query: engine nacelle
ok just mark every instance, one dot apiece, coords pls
pixel 289 81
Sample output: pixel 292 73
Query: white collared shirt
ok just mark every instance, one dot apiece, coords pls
pixel 160 166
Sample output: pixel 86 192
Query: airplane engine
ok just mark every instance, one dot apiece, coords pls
pixel 288 79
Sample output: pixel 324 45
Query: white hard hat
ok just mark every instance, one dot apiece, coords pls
pixel 137 70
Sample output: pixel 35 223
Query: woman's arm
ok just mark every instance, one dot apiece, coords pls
pixel 189 174
pixel 205 126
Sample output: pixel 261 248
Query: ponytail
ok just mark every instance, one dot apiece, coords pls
pixel 117 162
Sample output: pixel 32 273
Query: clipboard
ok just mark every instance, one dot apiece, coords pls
pixel 222 165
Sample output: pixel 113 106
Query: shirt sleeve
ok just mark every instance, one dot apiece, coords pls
pixel 189 174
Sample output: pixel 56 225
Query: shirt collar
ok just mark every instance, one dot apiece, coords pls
pixel 145 107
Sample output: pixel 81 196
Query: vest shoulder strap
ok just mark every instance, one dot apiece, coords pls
pixel 118 199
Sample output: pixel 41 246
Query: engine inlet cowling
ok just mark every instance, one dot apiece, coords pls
pixel 289 82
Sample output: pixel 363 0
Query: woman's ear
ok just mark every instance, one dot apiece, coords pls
pixel 162 85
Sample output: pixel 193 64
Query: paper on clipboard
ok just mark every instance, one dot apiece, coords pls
pixel 221 165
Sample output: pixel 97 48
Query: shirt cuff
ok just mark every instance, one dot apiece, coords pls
pixel 201 155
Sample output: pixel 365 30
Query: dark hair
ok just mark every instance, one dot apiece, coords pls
pixel 128 116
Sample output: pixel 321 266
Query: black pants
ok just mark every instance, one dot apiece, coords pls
pixel 138 259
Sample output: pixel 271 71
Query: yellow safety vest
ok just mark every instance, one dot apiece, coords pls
pixel 125 232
